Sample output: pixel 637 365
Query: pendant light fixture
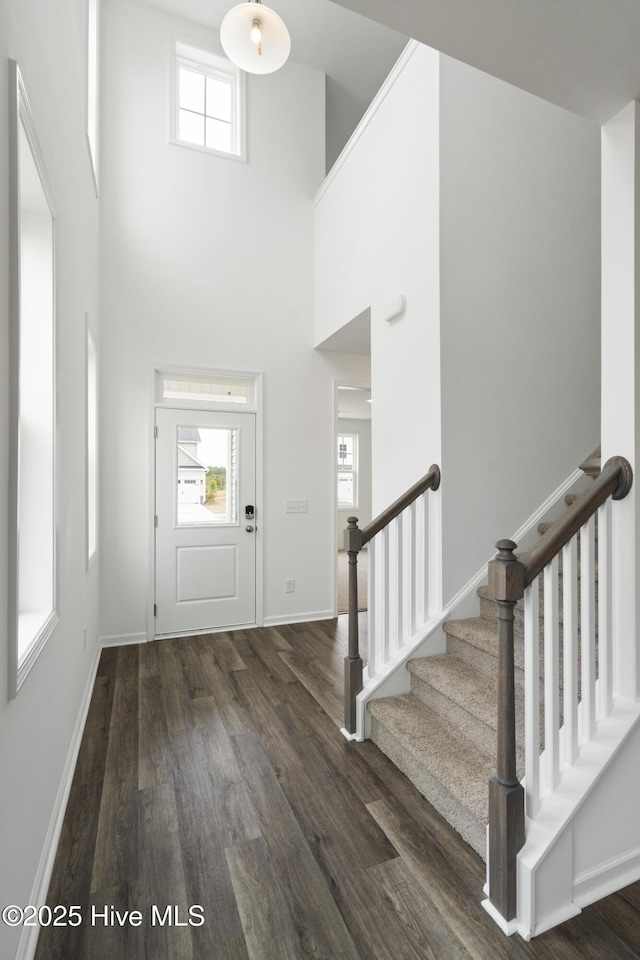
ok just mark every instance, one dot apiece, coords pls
pixel 255 38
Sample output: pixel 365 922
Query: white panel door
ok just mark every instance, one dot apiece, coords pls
pixel 205 526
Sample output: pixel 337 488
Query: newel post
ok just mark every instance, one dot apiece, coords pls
pixel 353 661
pixel 506 794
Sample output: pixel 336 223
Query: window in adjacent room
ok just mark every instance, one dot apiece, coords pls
pixel 209 102
pixel 347 470
pixel 33 432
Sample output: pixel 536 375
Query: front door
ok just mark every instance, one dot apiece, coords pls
pixel 205 521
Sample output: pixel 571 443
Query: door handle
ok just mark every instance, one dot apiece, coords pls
pixel 249 529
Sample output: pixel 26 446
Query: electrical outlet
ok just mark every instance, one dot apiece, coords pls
pixel 289 586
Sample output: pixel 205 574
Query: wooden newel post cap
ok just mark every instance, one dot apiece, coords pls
pixel 506 573
pixel 353 536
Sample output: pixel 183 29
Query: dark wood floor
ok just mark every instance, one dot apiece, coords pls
pixel 212 773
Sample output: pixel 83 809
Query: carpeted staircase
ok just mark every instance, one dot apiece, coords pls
pixel 442 734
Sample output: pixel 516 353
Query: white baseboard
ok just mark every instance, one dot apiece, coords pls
pixel 122 639
pixel 29 938
pixel 281 619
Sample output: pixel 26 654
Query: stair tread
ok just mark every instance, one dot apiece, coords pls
pixel 461 683
pixel 475 630
pixel 459 766
pixel 483 635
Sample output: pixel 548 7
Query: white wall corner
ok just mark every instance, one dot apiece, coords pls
pixel 620 374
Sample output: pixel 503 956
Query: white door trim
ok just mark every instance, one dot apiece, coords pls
pixel 153 369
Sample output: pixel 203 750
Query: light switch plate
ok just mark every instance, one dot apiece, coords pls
pixel 295 506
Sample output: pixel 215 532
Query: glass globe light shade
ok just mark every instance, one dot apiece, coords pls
pixel 237 28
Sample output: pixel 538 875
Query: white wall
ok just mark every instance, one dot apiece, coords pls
pixel 520 295
pixel 208 262
pixel 621 373
pixel 48 41
pixel 480 203
pixel 377 230
pixel 362 429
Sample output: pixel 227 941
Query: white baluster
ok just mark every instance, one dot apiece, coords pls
pixel 385 597
pixel 587 631
pixel 412 573
pixel 399 631
pixel 532 699
pixel 570 650
pixel 551 676
pixel 372 619
pixel 425 553
pixel 605 648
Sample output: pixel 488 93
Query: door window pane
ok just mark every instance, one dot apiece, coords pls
pixel 207 481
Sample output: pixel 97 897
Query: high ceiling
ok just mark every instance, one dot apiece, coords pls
pixel 355 53
pixel 583 55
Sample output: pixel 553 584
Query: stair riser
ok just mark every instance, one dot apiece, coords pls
pixel 485 663
pixel 482 735
pixel 470 829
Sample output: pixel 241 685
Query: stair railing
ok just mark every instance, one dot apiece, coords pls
pixel 386 634
pixel 555 557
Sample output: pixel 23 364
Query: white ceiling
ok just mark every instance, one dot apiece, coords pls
pixel 354 52
pixel 354 403
pixel 583 55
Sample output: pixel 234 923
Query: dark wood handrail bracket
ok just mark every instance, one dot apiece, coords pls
pixel 354 540
pixel 508 579
pixel 614 481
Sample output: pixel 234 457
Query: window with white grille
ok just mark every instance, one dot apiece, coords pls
pixel 347 470
pixel 209 102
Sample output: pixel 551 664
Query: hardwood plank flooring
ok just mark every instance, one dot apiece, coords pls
pixel 212 773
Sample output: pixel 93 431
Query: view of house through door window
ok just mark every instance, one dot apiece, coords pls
pixel 207 481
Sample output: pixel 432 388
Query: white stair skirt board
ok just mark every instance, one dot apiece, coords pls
pixel 563 833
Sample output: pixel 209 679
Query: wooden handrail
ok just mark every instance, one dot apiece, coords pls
pixel 509 576
pixel 430 480
pixel 615 480
pixel 354 541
